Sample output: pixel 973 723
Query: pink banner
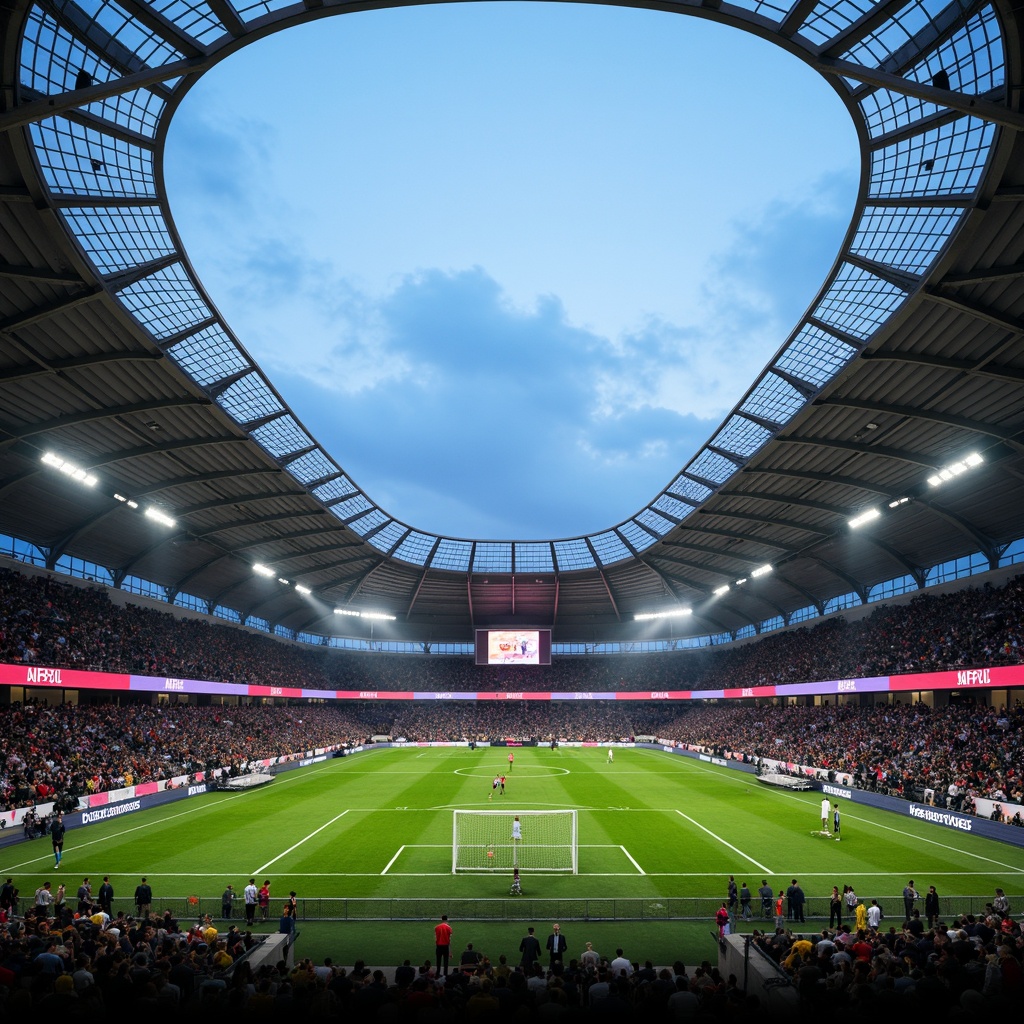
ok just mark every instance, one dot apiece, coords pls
pixel 750 691
pixel 66 678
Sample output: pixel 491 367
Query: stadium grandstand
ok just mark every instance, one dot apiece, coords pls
pixel 830 584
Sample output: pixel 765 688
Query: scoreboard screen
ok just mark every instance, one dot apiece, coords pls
pixel 513 647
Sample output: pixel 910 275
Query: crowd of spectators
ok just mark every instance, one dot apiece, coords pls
pixel 969 966
pixel 48 622
pixel 957 753
pixel 63 965
pixel 52 751
pixel 960 753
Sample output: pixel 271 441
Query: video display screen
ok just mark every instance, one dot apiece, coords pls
pixel 513 647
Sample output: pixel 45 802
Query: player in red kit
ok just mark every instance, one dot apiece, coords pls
pixel 511 758
pixel 443 942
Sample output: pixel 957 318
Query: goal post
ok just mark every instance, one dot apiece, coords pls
pixel 482 841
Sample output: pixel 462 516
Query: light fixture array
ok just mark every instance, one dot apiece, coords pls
pixel 351 612
pixel 954 469
pixel 673 613
pixel 87 479
pixel 70 469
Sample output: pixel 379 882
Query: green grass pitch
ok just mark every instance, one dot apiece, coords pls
pixel 651 826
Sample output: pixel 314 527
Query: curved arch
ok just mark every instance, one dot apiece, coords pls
pixel 866 287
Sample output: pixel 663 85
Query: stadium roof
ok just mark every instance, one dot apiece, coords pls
pixel 910 358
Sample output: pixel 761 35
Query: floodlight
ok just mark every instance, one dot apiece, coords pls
pixel 741 581
pixel 864 517
pixel 302 590
pixel 281 579
pixel 159 517
pixel 378 615
pixel 262 570
pixel 672 613
pixel 954 469
pixel 761 570
pixel 69 469
pixel 896 502
pixel 346 611
pixel 724 588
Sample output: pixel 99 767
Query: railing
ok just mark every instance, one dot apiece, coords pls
pixel 525 908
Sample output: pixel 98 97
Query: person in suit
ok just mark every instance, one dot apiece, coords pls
pixel 530 948
pixel 556 945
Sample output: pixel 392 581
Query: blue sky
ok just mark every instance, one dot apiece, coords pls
pixel 512 263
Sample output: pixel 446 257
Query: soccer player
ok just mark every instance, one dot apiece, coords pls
pixel 57 831
pixel 511 758
pixel 835 822
pixel 502 779
pixel 611 755
pixel 517 829
pixel 495 783
pixel 826 807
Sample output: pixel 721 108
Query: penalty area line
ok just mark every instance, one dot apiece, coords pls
pixel 260 870
pixel 393 859
pixel 629 857
pixel 745 856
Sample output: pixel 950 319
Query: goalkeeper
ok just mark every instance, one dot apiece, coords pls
pixel 517 889
pixel 517 829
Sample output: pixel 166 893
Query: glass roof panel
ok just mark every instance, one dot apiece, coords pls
pixel 492 556
pixel 384 540
pixel 906 238
pixel 249 10
pixel 831 17
pixel 194 18
pixel 947 160
pixel 775 11
pixel 416 548
pixel 120 237
pixel 145 44
pixel 281 437
pixel 741 436
pixel 815 356
pixel 452 554
pixel 710 466
pixel 352 508
pixel 609 547
pixel 973 57
pixel 249 399
pixel 885 111
pixel 166 302
pixel 858 303
pixel 534 556
pixel 311 467
pixel 80 160
pixel 773 399
pixel 672 507
pixel 335 488
pixel 370 521
pixel 688 488
pixel 208 356
pixel 573 554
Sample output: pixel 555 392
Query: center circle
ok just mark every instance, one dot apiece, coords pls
pixel 539 771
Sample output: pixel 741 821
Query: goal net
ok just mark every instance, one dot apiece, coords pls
pixel 482 841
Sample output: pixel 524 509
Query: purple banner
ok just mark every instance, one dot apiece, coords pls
pixel 442 695
pixel 169 684
pixel 871 684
